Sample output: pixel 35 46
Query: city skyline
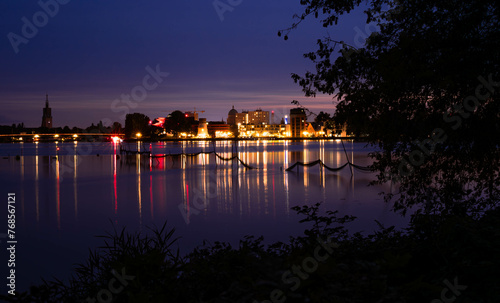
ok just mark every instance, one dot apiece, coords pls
pixel 80 56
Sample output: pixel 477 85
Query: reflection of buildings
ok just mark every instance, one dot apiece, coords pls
pixel 298 120
pixel 47 114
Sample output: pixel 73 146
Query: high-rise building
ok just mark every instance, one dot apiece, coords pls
pixel 47 114
pixel 247 117
pixel 298 120
pixel 258 117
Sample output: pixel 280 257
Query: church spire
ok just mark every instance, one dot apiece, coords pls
pixel 47 114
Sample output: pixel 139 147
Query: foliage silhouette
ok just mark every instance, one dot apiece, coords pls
pixel 385 266
pixel 423 84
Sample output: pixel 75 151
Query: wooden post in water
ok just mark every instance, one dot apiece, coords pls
pixel 349 162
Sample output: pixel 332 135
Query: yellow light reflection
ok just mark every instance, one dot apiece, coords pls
pixel 75 187
pixel 58 194
pixel 37 189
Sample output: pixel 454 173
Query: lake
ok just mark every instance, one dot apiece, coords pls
pixel 67 193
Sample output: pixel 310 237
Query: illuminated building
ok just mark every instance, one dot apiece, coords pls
pixel 202 128
pixel 218 129
pixel 309 130
pixel 258 117
pixel 298 120
pixel 247 117
pixel 262 130
pixel 341 131
pixel 47 114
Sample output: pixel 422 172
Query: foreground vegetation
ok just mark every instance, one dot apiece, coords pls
pixel 441 258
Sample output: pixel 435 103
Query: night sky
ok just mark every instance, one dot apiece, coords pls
pixel 89 53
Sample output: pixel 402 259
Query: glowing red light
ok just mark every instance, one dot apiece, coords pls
pixel 115 139
pixel 187 115
pixel 159 122
pixel 150 122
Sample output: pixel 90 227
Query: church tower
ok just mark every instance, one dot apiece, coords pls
pixel 47 114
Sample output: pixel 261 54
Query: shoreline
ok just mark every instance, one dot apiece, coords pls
pixel 14 139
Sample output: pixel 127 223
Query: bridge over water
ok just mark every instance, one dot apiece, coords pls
pixel 56 137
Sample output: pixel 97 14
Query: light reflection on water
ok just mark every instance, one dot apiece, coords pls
pixel 66 196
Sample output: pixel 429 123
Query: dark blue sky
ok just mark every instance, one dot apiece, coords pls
pixel 92 52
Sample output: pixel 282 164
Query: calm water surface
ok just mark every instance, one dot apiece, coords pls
pixel 68 193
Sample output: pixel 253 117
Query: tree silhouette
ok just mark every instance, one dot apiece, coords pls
pixel 136 123
pixel 424 86
pixel 177 123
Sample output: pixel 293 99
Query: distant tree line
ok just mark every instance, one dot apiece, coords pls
pixel 175 123
pixel 115 128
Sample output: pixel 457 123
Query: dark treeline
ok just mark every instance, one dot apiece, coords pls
pixel 115 128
